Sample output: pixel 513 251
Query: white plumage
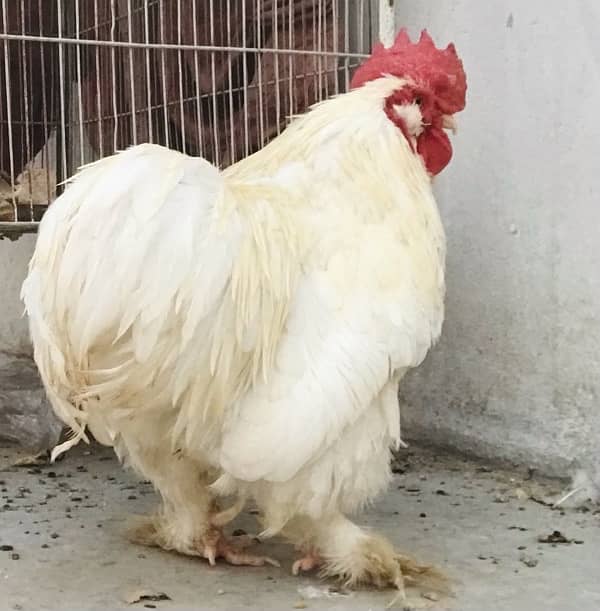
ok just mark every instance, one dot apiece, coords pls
pixel 246 329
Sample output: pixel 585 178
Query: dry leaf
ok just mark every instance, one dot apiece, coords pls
pixel 144 595
pixel 430 596
pixel 33 460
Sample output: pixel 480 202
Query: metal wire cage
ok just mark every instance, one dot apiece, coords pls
pixel 80 79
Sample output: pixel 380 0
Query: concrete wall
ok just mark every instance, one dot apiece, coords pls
pixel 14 257
pixel 25 414
pixel 517 373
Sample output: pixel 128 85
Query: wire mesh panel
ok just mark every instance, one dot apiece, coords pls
pixel 80 79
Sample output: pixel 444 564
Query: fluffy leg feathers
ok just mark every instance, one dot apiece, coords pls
pixel 348 553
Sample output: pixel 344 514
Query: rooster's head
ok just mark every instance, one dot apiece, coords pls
pixel 422 108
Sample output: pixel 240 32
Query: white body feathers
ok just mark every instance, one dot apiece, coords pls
pixel 258 318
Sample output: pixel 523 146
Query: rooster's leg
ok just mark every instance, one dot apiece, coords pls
pixel 345 551
pixel 188 520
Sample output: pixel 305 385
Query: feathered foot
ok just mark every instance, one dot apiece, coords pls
pixel 211 544
pixel 359 558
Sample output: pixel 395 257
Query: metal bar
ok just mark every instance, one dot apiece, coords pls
pixel 180 71
pixel 277 87
pixel 319 59
pixel 148 70
pixel 197 81
pixel 346 42
pixel 132 91
pixel 290 42
pixel 261 117
pixel 315 59
pixel 113 75
pixel 245 80
pixel 18 227
pixel 45 156
pixel 63 84
pixel 305 85
pixel 60 40
pixel 214 85
pixel 7 84
pixel 79 92
pixel 232 155
pixel 26 90
pixel 336 23
pixel 163 74
pixel 98 96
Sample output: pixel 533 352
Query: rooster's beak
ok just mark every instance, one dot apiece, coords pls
pixel 449 122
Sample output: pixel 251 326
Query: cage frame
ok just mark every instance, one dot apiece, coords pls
pixel 369 15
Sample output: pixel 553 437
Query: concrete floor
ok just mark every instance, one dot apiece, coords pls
pixel 62 544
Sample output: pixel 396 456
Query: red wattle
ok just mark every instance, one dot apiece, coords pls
pixel 434 147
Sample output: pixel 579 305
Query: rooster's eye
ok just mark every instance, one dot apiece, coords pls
pixel 418 101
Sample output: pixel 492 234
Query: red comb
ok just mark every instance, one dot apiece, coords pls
pixel 437 69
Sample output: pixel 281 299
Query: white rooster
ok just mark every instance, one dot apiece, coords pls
pixel 243 332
